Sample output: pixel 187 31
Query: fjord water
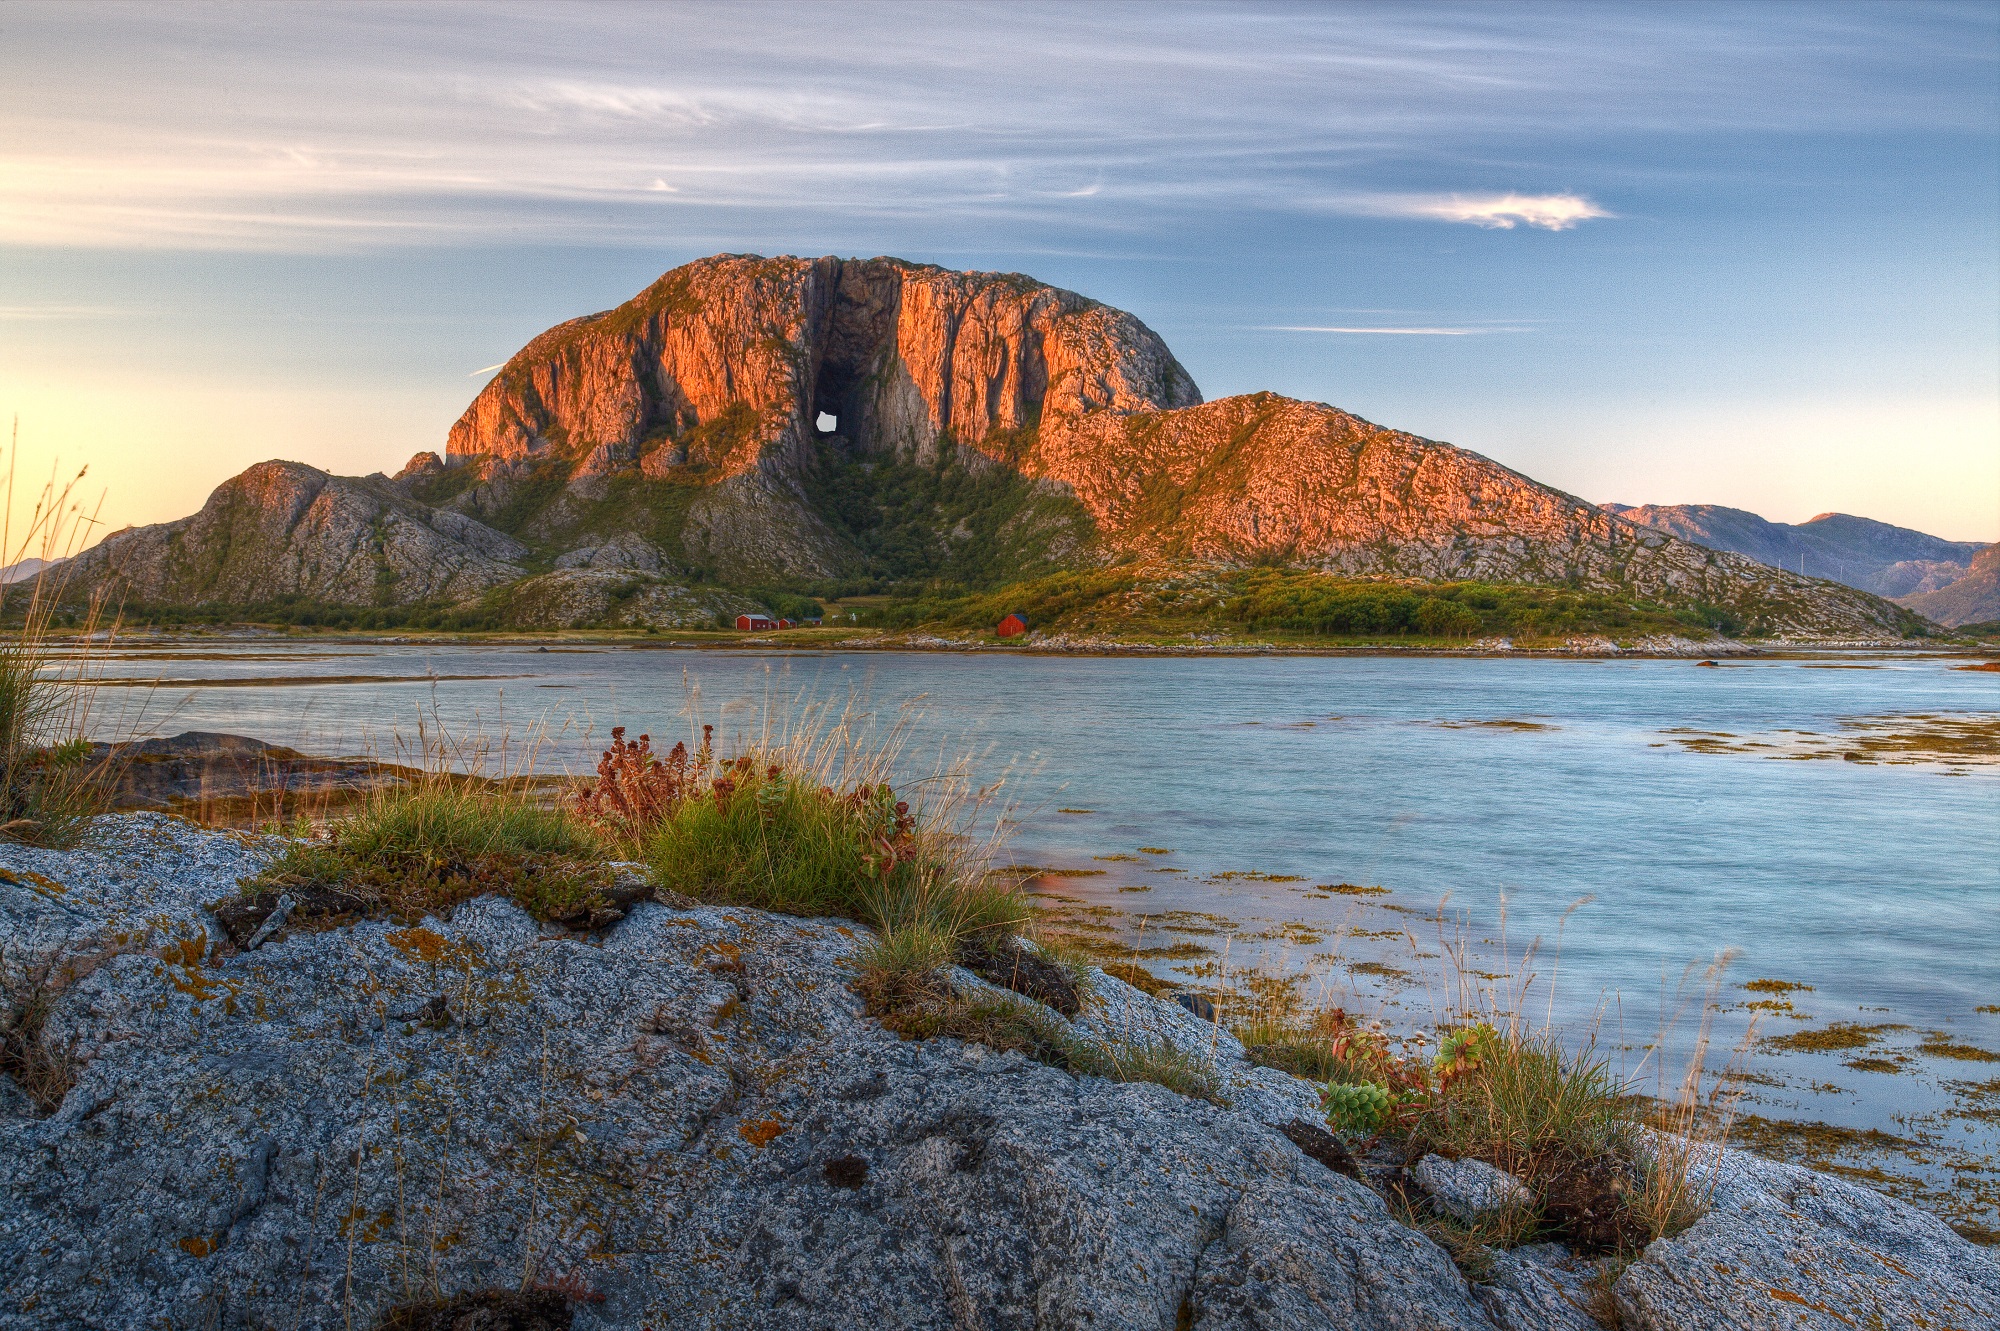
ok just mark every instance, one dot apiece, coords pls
pixel 1876 884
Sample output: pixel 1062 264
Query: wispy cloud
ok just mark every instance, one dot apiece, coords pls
pixel 35 313
pixel 1499 212
pixel 397 124
pixel 1399 332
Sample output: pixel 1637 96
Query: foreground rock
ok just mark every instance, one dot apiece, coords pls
pixel 687 1121
pixel 203 771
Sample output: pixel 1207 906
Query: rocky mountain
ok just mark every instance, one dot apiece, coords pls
pixel 797 423
pixel 283 529
pixel 21 570
pixel 1972 599
pixel 1861 552
pixel 718 377
pixel 688 1120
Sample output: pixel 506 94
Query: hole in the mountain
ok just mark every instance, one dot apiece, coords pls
pixel 827 422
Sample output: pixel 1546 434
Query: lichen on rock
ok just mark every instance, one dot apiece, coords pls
pixel 688 1120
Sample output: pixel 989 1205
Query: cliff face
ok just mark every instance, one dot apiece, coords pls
pixel 719 373
pixel 286 529
pixel 727 359
pixel 768 421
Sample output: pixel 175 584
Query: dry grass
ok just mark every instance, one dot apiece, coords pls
pixel 1610 1169
pixel 929 1010
pixel 423 848
pixel 444 836
pixel 49 791
pixel 40 1066
pixel 809 817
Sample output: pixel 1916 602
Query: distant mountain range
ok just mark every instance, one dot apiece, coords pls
pixel 751 427
pixel 1896 562
pixel 23 569
pixel 1973 599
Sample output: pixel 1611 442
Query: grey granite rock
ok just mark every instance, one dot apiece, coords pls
pixel 1539 1287
pixel 1785 1248
pixel 1468 1189
pixel 689 1118
pixel 302 1135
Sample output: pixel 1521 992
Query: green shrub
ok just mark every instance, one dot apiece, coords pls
pixel 421 848
pixel 1527 1104
pixel 772 838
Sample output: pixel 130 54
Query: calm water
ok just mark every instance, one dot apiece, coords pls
pixel 1876 884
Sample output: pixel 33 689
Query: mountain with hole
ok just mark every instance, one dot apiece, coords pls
pixel 752 433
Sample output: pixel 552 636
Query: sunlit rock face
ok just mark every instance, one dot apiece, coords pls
pixel 722 373
pixel 729 362
pixel 698 422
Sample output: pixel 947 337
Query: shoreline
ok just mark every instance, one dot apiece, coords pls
pixel 819 640
pixel 725 1045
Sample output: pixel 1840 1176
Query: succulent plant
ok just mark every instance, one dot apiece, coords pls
pixel 1356 1106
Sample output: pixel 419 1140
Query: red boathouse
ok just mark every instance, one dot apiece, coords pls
pixel 1012 626
pixel 754 623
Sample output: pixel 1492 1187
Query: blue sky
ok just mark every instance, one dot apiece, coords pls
pixel 1740 254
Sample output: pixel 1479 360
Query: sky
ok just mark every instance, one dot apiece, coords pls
pixel 1744 254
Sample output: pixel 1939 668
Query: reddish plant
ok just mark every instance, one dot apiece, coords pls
pixel 635 788
pixel 888 825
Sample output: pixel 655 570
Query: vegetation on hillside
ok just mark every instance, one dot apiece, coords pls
pixel 957 520
pixel 955 542
pixel 1291 605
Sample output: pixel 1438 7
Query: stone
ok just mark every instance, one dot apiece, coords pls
pixel 286 529
pixel 687 1120
pixel 625 552
pixel 1784 1247
pixel 199 769
pixel 674 1141
pixel 1540 1287
pixel 1469 1190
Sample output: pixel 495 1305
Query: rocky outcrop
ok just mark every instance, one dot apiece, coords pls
pixel 688 1121
pixel 1861 552
pixel 727 426
pixel 283 529
pixel 1264 477
pixel 728 363
pixel 723 369
pixel 200 772
pixel 719 374
pixel 1973 599
pixel 590 596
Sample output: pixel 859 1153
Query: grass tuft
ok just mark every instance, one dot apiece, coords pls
pixel 422 848
pixel 40 1066
pixel 49 789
